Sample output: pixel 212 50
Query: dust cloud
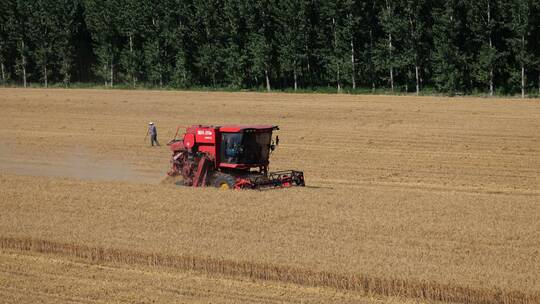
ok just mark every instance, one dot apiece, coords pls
pixel 73 164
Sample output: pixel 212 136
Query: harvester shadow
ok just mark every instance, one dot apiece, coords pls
pixel 175 181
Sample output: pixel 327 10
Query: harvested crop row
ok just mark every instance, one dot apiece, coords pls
pixel 385 287
pixel 27 277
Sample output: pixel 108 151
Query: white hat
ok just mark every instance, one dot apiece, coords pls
pixel 150 123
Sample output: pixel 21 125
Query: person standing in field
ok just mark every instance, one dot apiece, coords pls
pixel 152 131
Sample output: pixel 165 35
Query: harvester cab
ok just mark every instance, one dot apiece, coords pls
pixel 230 157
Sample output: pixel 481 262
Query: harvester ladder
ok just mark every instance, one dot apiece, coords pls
pixel 202 172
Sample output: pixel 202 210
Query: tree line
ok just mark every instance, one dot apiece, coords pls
pixel 452 46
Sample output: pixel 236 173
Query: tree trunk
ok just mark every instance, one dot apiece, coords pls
pixel 491 82
pixel 2 69
pixel 161 67
pixel 370 60
pixel 295 77
pixel 306 48
pixel 522 68
pixel 416 70
pixel 490 47
pixel 23 59
pixel 45 75
pixel 390 51
pixel 391 67
pixel 184 76
pixel 131 59
pixel 407 82
pixel 338 77
pixel 112 74
pixel 66 72
pixel 3 72
pixel 267 79
pixel 335 48
pixel 352 65
pixel 353 72
pixel 522 81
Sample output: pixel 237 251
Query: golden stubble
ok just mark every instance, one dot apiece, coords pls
pixel 433 191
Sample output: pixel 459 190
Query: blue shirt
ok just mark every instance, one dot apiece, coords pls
pixel 152 130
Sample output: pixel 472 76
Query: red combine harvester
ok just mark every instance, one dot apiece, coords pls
pixel 229 157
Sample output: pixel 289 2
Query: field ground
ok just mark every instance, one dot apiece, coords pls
pixel 63 280
pixel 430 197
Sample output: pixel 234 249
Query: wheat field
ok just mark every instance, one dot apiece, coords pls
pixel 408 198
pixel 69 280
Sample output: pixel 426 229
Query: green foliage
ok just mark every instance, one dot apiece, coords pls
pixel 388 48
pixel 102 18
pixel 447 57
pixel 292 37
pixel 457 46
pixel 7 43
pixel 519 26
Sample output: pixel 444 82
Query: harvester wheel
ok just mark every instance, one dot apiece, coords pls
pixel 224 181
